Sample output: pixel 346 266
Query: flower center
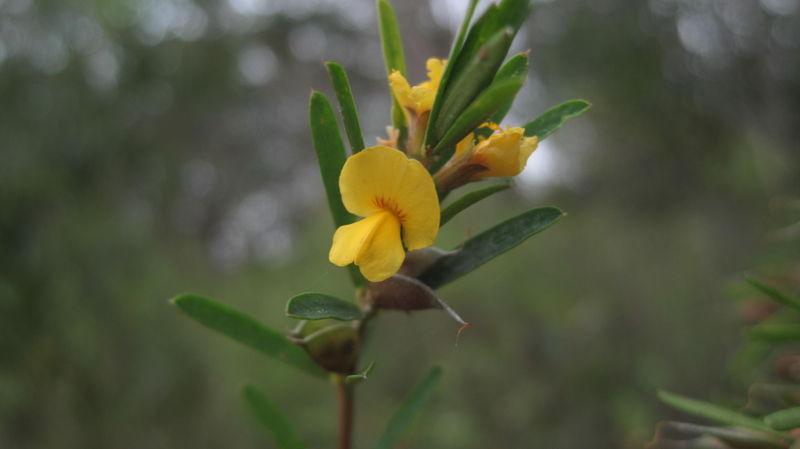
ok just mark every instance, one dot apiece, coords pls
pixel 389 205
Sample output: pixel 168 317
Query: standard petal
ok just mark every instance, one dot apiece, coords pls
pixel 350 240
pixel 418 206
pixel 383 254
pixel 370 177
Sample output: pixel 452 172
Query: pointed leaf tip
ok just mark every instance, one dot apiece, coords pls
pixel 246 330
pixel 552 119
pixel 360 376
pixel 489 244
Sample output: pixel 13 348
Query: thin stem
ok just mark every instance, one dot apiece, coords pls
pixel 345 394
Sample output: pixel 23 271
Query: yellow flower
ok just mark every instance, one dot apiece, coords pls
pixel 420 97
pixel 504 153
pixel 394 194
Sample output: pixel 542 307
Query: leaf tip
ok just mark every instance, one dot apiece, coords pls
pixel 665 396
pixel 178 300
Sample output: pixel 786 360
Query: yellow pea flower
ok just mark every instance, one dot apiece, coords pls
pixel 504 153
pixel 420 97
pixel 398 200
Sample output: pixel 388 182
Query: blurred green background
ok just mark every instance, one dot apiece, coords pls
pixel 160 146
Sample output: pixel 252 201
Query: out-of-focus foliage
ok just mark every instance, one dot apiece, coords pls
pixel 158 145
pixel 769 417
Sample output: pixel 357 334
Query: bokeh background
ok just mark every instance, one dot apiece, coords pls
pixel 161 146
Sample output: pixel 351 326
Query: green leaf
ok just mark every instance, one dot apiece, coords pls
pixel 478 112
pixel 319 306
pixel 469 199
pixel 246 330
pixel 553 118
pixel 470 84
pixel 508 16
pixel 359 376
pixel 776 333
pixel 489 244
pixel 458 43
pixel 331 157
pixel 716 413
pixel 515 68
pixel 271 419
pixel 330 153
pixel 409 409
pixel 786 419
pixel 392 44
pixel 347 106
pixel 774 294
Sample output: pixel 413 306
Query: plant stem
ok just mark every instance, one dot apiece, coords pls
pixel 345 394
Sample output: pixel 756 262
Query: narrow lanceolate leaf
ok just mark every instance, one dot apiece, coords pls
pixel 774 294
pixel 391 40
pixel 458 43
pixel 347 106
pixel 716 413
pixel 245 329
pixel 469 199
pixel 489 244
pixel 319 306
pixel 467 84
pixel 330 153
pixel 392 44
pixel 273 421
pixel 331 157
pixel 409 409
pixel 776 333
pixel 672 430
pixel 786 419
pixel 514 68
pixel 553 118
pixel 359 376
pixel 476 113
pixel 509 14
